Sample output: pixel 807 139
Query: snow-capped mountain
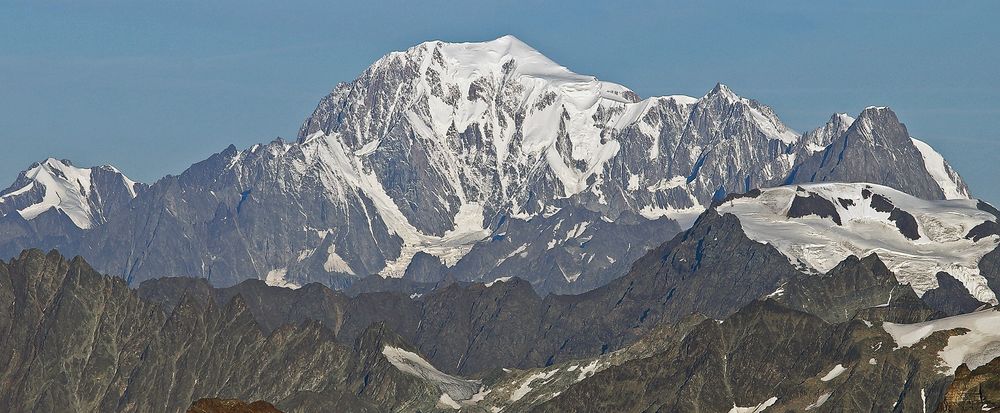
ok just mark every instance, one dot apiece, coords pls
pixel 502 127
pixel 818 139
pixel 87 196
pixel 819 225
pixel 482 160
pixel 877 148
pixel 948 180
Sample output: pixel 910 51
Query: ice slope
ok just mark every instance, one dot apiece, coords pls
pixel 820 243
pixel 56 184
pixel 440 147
pixel 947 178
pixel 975 347
pixel 457 389
pixel 501 129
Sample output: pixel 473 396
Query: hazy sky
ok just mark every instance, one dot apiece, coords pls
pixel 152 88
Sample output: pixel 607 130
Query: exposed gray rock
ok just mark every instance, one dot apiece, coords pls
pixel 877 148
pixel 766 354
pixel 422 156
pixel 76 340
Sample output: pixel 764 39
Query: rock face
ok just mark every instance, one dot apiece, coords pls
pixel 766 356
pixel 471 328
pixel 491 159
pixel 76 340
pixel 973 391
pixel 818 225
pixel 231 406
pixel 315 349
pixel 877 142
pixel 54 203
pixel 117 351
pixel 713 269
pixel 86 196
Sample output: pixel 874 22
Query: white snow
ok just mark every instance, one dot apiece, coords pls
pixel 66 188
pixel 276 278
pixel 777 292
pixel 978 346
pixel 682 99
pixel 818 139
pixel 767 123
pixel 368 148
pixel 845 118
pixel 576 231
pixel 665 184
pixel 336 263
pixel 633 182
pixel 754 409
pixel 923 399
pixel 498 280
pixel 834 372
pixel 940 171
pixel 822 244
pixel 685 217
pixel 411 363
pixel 16 192
pixel 774 129
pixel 588 370
pixel 819 401
pixel 561 134
pixel 447 401
pixel 347 169
pixel 525 386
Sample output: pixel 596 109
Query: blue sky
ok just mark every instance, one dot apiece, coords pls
pixel 152 87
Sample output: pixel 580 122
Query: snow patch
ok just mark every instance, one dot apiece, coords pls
pixel 498 280
pixel 777 293
pixel 834 372
pixel 754 409
pixel 945 177
pixel 67 188
pixel 525 386
pixel 276 278
pixel 336 263
pixel 819 401
pixel 976 347
pixel 588 370
pixel 411 363
pixel 822 244
pixel 685 217
pixel 446 401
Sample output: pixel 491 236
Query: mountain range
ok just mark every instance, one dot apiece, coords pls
pixel 473 227
pixel 713 305
pixel 464 161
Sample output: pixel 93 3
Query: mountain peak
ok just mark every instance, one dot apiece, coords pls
pixel 495 56
pixel 817 139
pixel 879 118
pixel 722 100
pixel 83 194
pixel 842 119
pixel 839 219
pixel 722 91
pixel 878 112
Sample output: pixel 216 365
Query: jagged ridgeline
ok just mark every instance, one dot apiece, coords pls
pixel 712 320
pixel 457 161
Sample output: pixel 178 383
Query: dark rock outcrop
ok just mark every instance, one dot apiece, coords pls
pixel 214 405
pixel 876 148
pixel 973 391
pixel 75 340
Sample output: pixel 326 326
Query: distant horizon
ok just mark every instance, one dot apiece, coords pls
pixel 161 88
